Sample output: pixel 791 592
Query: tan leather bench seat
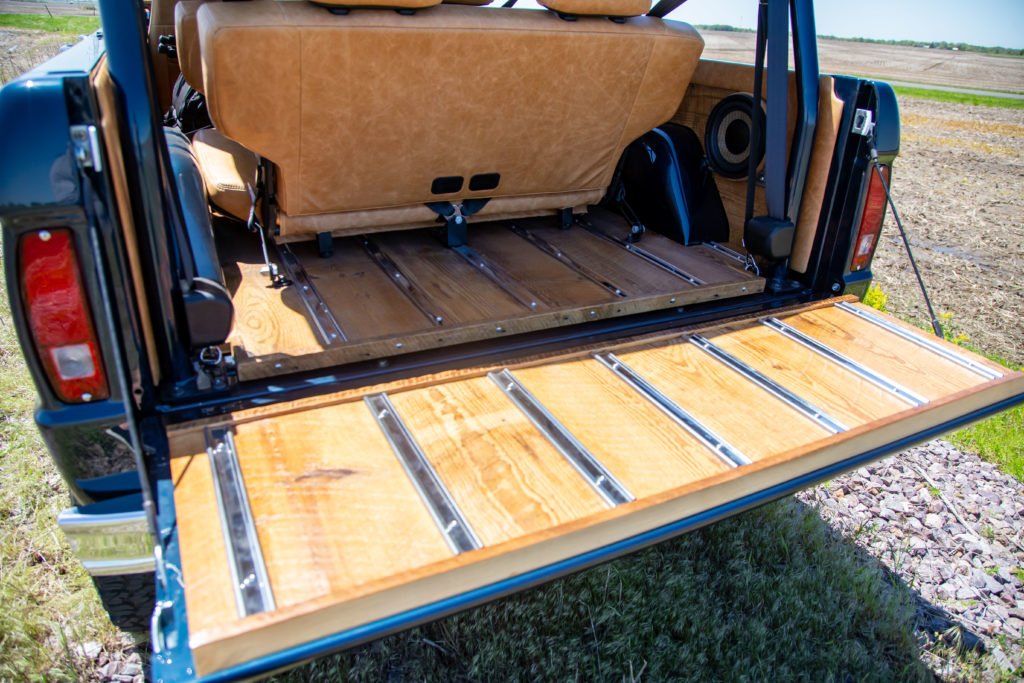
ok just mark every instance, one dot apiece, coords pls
pixel 361 113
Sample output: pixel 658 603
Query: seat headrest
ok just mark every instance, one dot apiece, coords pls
pixel 385 4
pixel 604 8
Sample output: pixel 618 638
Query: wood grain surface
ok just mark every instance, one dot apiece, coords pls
pixel 640 445
pixel 840 393
pixel 896 359
pixel 274 335
pixel 746 416
pixel 504 475
pixel 347 541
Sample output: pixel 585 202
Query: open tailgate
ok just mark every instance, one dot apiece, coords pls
pixel 311 525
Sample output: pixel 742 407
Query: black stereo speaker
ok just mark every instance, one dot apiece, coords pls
pixel 727 136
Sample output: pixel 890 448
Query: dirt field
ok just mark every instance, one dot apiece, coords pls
pixel 959 186
pixel 890 62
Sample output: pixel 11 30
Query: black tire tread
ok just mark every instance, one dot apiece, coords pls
pixel 128 599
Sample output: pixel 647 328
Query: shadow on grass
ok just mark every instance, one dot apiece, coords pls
pixel 774 593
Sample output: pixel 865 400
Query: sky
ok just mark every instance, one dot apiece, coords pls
pixel 978 22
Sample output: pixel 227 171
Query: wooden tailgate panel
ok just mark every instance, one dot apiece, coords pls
pixel 369 503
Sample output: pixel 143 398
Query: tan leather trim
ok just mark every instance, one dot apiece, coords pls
pixel 186 34
pixel 609 8
pixel 228 168
pixel 362 112
pixel 406 217
pixel 384 4
pixel 830 112
pixel 103 86
pixel 478 3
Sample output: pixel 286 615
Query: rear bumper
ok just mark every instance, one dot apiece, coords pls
pixel 111 537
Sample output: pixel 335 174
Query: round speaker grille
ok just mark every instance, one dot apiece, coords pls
pixel 727 136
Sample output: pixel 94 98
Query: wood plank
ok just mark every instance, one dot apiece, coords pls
pixel 234 642
pixel 504 475
pixel 209 598
pixel 693 259
pixel 555 284
pixel 640 445
pixel 325 490
pixel 361 296
pixel 746 416
pixel 490 441
pixel 268 320
pixel 634 276
pixel 899 360
pixel 840 393
pixel 462 291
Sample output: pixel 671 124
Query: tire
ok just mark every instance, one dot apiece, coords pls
pixel 128 599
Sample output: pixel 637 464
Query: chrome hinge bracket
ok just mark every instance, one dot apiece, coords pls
pixel 863 122
pixel 85 142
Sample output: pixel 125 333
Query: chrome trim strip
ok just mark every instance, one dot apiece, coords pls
pixel 839 359
pixel 726 251
pixel 511 286
pixel 457 532
pixel 590 468
pixel 326 324
pixel 109 543
pixel 728 453
pixel 922 341
pixel 419 299
pixel 804 407
pixel 566 260
pixel 646 255
pixel 245 557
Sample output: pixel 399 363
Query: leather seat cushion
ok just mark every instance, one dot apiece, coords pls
pixel 229 170
pixel 607 8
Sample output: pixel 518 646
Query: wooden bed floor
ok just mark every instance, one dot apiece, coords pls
pixel 370 502
pixel 397 292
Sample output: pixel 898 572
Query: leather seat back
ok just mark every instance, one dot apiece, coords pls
pixel 370 115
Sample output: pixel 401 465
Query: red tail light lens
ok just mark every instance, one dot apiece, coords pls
pixel 870 220
pixel 59 317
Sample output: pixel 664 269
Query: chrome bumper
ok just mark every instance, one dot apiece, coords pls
pixel 109 541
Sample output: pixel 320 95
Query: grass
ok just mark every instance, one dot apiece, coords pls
pixel 74 26
pixel 959 98
pixel 771 594
pixel 47 602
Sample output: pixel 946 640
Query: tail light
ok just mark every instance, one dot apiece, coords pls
pixel 59 317
pixel 870 220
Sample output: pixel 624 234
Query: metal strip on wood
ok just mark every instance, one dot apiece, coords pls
pixel 802 406
pixel 418 298
pixel 324 321
pixel 922 341
pixel 566 260
pixel 583 461
pixel 880 381
pixel 457 532
pixel 646 255
pixel 728 453
pixel 249 578
pixel 510 285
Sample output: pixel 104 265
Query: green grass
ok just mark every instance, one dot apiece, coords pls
pixel 47 602
pixel 959 98
pixel 771 594
pixel 61 24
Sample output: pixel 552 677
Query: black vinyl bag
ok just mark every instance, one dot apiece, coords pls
pixel 666 181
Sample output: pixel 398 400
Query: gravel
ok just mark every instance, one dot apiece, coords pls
pixel 951 527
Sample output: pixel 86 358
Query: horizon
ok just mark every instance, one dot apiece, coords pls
pixel 985 23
